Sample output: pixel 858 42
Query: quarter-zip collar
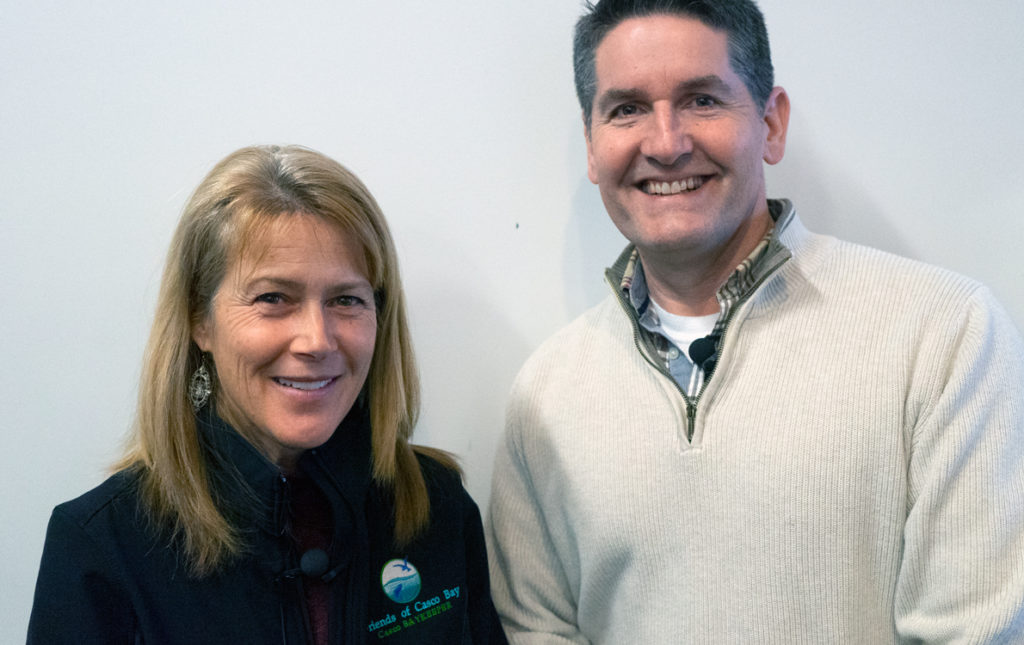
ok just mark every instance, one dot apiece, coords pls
pixel 737 291
pixel 738 288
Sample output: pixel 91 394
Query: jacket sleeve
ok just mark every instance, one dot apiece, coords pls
pixel 529 584
pixel 484 623
pixel 77 599
pixel 962 574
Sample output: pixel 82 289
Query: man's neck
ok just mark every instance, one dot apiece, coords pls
pixel 687 284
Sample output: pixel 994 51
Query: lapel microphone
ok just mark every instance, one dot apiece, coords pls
pixel 703 353
pixel 313 564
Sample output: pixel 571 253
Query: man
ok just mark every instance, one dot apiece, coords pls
pixel 763 435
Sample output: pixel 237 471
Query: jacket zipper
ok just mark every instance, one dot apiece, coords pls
pixel 291 561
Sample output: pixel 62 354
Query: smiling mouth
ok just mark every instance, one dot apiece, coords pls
pixel 304 385
pixel 672 188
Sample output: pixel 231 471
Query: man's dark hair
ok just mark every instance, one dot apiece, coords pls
pixel 749 53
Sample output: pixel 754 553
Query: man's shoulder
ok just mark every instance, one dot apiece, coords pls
pixel 602 323
pixel 888 275
pixel 848 283
pixel 592 348
pixel 853 268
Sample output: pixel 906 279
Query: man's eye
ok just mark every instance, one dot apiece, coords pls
pixel 625 111
pixel 705 101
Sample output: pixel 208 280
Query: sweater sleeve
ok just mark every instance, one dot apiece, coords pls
pixel 77 599
pixel 962 574
pixel 528 581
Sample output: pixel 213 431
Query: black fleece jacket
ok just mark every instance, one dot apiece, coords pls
pixel 108 576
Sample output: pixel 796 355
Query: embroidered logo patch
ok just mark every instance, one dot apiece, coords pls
pixel 401 581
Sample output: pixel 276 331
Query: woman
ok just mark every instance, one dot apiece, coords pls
pixel 270 493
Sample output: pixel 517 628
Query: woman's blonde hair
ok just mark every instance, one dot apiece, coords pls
pixel 240 196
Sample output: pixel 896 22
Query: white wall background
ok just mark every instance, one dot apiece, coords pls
pixel 906 134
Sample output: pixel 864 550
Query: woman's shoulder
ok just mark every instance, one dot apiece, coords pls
pixel 106 525
pixel 454 515
pixel 441 472
pixel 117 496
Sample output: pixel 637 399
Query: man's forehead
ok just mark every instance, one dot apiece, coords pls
pixel 678 46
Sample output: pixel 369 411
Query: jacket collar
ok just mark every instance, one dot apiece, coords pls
pixel 251 490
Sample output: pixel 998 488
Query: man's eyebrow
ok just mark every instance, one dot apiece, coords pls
pixel 617 95
pixel 708 83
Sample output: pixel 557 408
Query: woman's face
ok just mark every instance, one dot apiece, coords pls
pixel 291 330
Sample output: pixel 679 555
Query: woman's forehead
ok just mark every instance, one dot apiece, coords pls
pixel 294 236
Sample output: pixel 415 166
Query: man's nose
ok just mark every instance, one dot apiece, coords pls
pixel 667 137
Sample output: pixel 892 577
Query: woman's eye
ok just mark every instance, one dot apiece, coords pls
pixel 270 298
pixel 349 301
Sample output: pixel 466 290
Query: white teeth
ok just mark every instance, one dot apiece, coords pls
pixel 304 385
pixel 676 187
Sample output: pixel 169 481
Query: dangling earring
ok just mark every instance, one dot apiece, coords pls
pixel 200 386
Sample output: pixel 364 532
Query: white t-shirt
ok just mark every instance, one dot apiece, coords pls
pixel 683 330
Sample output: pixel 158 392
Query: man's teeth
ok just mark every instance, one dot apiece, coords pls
pixel 304 385
pixel 666 188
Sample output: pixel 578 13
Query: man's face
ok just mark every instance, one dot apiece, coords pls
pixel 676 142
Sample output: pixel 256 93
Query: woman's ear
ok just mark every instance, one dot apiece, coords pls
pixel 201 335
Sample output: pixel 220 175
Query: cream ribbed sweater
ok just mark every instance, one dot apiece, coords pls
pixel 856 473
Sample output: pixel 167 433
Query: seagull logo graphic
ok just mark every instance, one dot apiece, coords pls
pixel 400 581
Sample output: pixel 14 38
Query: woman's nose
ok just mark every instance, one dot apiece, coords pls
pixel 313 336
